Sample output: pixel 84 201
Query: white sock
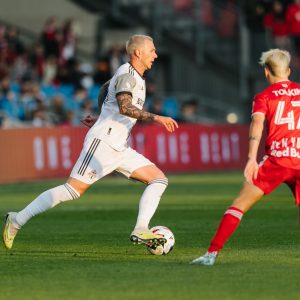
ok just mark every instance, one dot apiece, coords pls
pixel 45 201
pixel 149 202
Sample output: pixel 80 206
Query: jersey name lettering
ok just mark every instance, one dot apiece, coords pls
pixel 288 92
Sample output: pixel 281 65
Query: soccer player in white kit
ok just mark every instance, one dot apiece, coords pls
pixel 106 149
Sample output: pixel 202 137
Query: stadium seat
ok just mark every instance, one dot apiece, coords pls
pixel 94 91
pixel 66 89
pixel 49 90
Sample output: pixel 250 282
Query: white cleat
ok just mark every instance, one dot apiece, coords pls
pixel 208 259
pixel 10 230
pixel 146 237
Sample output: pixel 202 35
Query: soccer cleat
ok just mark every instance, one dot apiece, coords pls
pixel 208 259
pixel 147 237
pixel 10 231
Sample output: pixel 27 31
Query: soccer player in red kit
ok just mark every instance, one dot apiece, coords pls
pixel 278 107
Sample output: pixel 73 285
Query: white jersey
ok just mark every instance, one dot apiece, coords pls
pixel 112 127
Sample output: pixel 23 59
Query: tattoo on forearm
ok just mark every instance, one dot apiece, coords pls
pixel 127 108
pixel 253 138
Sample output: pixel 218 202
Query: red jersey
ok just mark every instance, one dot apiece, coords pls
pixel 280 103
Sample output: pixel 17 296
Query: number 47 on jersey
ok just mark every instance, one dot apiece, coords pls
pixel 290 119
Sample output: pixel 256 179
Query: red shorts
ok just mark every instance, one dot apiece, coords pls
pixel 271 175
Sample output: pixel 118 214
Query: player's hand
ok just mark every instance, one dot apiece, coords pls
pixel 251 170
pixel 167 122
pixel 89 121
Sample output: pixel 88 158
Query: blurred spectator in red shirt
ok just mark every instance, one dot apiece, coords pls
pixel 293 20
pixel 276 25
pixel 38 60
pixel 184 6
pixel 3 44
pixel 206 13
pixel 227 23
pixel 68 40
pixel 50 38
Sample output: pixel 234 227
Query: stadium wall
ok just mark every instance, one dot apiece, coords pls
pixel 32 154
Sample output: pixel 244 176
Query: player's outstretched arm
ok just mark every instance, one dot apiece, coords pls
pixel 128 109
pixel 167 122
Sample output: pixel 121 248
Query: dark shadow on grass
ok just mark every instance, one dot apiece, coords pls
pixel 64 253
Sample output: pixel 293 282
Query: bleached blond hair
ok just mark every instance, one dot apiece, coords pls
pixel 277 61
pixel 136 41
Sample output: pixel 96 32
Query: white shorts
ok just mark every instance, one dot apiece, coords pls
pixel 97 159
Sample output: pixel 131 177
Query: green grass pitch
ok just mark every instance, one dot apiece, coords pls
pixel 81 249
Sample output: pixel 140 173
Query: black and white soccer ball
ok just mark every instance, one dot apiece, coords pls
pixel 168 246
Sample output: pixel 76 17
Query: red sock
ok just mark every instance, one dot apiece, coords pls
pixel 228 224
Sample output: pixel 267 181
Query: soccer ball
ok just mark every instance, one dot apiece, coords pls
pixel 168 246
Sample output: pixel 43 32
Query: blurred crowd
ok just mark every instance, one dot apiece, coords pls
pixel 45 84
pixel 219 15
pixel 279 20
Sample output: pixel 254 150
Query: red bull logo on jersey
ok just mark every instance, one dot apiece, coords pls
pixel 286 92
pixel 288 152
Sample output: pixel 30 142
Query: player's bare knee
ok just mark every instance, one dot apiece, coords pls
pixel 77 185
pixel 157 175
pixel 79 190
pixel 160 174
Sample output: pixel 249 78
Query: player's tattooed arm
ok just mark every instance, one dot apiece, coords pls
pixel 128 109
pixel 254 138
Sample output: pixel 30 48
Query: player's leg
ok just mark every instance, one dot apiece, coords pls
pixel 137 167
pixel 71 190
pixel 156 184
pixel 75 186
pixel 249 195
pixel 294 184
pixel 87 170
pixel 48 199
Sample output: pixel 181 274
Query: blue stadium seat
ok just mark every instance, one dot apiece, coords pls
pixel 94 91
pixel 15 87
pixel 48 90
pixel 170 107
pixel 66 89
